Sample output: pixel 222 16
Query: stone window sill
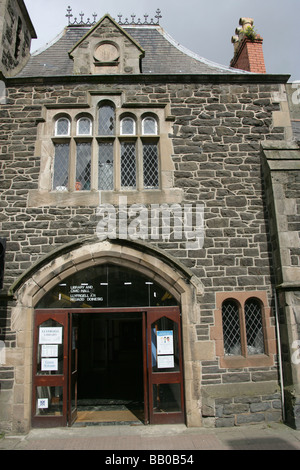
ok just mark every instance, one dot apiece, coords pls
pixel 39 198
pixel 234 362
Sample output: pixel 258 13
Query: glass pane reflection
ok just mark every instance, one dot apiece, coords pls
pixel 164 346
pixel 166 398
pixel 49 401
pixel 104 287
pixel 50 348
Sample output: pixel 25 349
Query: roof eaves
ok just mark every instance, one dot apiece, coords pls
pixel 150 78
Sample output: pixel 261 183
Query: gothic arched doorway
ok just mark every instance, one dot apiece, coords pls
pixel 107 342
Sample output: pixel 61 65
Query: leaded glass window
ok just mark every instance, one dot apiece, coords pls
pixel 84 126
pixel 106 166
pixel 82 147
pixel 128 165
pixel 83 166
pixel 106 120
pixel 62 127
pixel 242 337
pixel 149 126
pixel 61 167
pixel 254 328
pixel 231 328
pixel 150 165
pixel 127 126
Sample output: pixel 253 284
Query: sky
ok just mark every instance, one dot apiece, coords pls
pixel 204 27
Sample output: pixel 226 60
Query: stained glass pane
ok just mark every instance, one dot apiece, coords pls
pixel 63 127
pixel 128 165
pixel 150 165
pixel 84 126
pixel 106 166
pixel 83 166
pixel 231 328
pixel 61 167
pixel 254 329
pixel 149 126
pixel 106 120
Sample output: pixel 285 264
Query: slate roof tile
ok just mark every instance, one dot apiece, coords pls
pixel 162 55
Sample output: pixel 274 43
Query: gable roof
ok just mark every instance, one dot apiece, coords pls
pixel 162 54
pixel 96 26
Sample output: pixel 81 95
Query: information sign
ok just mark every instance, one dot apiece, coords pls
pixel 50 335
pixel 165 342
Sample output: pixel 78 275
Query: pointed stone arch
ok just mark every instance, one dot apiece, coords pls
pixel 141 257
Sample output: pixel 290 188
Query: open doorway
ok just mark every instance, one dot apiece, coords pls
pixel 110 368
pixel 115 365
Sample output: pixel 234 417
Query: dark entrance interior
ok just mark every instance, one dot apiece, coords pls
pixel 110 367
pixel 107 366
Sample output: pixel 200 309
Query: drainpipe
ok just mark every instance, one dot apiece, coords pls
pixel 279 355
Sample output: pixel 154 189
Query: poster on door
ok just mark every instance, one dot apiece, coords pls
pixel 165 344
pixel 49 364
pixel 165 362
pixel 50 335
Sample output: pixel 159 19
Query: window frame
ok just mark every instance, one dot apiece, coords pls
pixel 152 141
pixel 78 124
pixel 240 326
pixel 244 359
pixel 242 334
pixel 101 105
pixel 61 142
pixel 133 143
pixel 144 118
pixel 122 119
pixel 151 181
pixel 56 126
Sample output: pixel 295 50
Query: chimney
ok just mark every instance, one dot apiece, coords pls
pixel 248 52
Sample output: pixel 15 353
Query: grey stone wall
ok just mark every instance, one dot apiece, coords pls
pixel 241 411
pixel 216 139
pixel 281 166
pixel 15 36
pixel 216 136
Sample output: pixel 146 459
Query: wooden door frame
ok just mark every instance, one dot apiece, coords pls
pixel 156 378
pixel 72 374
pixel 66 313
pixel 59 380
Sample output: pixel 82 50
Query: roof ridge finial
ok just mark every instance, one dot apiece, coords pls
pixel 158 15
pixel 69 14
pixel 88 22
pixel 139 22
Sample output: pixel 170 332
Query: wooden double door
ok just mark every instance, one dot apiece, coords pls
pixel 71 359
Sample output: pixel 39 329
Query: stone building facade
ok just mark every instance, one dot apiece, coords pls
pixel 183 134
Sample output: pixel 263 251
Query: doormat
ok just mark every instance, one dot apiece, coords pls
pixel 113 416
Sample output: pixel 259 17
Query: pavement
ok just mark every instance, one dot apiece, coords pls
pixel 146 442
